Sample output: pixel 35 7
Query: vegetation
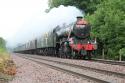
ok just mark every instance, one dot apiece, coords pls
pixel 3 52
pixel 7 66
pixel 107 18
pixel 108 23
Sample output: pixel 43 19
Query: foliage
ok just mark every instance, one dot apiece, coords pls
pixel 2 45
pixel 89 6
pixel 3 54
pixel 7 66
pixel 122 53
pixel 108 24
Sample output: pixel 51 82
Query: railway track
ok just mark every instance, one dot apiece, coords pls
pixel 121 63
pixel 122 75
pixel 78 70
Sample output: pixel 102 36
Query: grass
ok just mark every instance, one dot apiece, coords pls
pixel 7 66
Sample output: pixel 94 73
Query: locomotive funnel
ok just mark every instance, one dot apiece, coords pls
pixel 79 17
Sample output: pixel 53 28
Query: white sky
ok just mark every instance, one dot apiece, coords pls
pixel 13 14
pixel 23 20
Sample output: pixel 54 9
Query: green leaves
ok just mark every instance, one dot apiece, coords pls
pixel 122 51
pixel 108 23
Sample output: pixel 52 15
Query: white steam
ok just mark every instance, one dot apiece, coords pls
pixel 37 26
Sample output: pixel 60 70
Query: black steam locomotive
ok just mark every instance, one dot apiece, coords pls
pixel 72 41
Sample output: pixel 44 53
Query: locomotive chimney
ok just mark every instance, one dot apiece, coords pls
pixel 79 18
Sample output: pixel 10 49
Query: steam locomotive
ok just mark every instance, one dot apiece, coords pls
pixel 72 41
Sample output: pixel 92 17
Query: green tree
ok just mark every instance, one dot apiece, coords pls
pixel 108 24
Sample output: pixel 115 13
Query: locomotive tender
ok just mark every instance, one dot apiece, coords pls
pixel 72 41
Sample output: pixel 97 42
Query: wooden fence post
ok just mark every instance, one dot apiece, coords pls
pixel 103 54
pixel 120 56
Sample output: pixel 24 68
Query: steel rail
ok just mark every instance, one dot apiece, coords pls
pixel 121 75
pixel 120 63
pixel 68 71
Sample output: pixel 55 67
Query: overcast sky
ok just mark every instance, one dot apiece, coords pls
pixel 24 20
pixel 13 14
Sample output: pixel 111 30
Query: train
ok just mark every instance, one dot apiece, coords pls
pixel 70 41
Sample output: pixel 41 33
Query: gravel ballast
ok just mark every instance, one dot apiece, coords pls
pixel 107 78
pixel 31 72
pixel 97 65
